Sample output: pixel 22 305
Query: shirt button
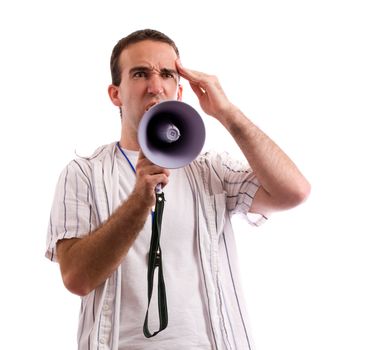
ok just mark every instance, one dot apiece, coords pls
pixel 106 307
pixel 102 341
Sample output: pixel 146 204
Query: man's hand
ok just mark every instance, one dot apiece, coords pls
pixel 207 88
pixel 148 176
pixel 282 184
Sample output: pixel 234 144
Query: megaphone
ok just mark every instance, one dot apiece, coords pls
pixel 171 134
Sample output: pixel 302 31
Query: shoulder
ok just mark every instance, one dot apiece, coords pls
pixel 220 161
pixel 82 166
pixel 208 158
pixel 99 154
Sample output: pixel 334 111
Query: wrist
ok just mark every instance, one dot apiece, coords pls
pixel 142 200
pixel 231 117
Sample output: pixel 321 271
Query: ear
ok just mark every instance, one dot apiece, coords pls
pixel 113 92
pixel 179 92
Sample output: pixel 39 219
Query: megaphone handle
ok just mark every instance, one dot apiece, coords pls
pixel 158 188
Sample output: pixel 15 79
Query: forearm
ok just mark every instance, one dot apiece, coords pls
pixel 278 175
pixel 86 263
pixel 282 184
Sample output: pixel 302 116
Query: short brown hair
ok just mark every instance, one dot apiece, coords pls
pixel 135 37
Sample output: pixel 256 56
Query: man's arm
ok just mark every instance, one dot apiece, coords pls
pixel 282 184
pixel 87 262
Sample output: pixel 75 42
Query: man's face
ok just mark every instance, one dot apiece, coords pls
pixel 148 76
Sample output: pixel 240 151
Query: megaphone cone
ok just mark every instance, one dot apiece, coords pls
pixel 171 134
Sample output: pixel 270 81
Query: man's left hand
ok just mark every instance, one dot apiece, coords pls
pixel 207 88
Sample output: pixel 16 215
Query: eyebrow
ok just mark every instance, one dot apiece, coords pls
pixel 147 69
pixel 171 71
pixel 139 69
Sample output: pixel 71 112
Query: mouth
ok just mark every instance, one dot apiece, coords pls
pixel 150 105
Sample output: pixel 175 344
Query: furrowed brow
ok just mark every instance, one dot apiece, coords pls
pixel 139 69
pixel 173 72
pixel 145 69
pixel 169 71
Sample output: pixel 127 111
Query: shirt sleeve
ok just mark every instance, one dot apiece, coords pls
pixel 240 184
pixel 72 214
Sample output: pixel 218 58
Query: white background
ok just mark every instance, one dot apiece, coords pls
pixel 296 68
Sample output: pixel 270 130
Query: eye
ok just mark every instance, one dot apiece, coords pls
pixel 139 74
pixel 168 75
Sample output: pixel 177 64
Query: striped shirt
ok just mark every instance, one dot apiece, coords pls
pixel 87 194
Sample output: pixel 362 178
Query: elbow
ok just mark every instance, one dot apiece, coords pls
pixel 300 194
pixel 76 284
pixel 304 191
pixel 289 198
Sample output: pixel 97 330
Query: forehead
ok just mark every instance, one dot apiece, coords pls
pixel 154 54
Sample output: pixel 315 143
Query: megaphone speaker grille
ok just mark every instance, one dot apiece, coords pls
pixel 171 134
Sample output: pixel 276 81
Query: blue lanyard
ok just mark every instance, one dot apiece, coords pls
pixel 126 157
pixel 131 166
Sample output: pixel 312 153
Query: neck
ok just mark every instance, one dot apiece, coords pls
pixel 129 141
pixel 130 146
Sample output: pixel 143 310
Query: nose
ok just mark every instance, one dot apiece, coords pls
pixel 155 85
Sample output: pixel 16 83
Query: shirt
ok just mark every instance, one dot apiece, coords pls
pixel 187 313
pixel 88 192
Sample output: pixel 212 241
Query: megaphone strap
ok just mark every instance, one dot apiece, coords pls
pixel 154 262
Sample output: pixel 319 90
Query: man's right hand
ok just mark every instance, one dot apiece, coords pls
pixel 148 176
pixel 87 262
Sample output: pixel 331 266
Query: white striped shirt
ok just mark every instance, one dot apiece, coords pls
pixel 87 194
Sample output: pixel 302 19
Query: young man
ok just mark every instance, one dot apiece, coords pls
pixel 100 224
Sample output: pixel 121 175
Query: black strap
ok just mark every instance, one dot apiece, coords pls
pixel 155 261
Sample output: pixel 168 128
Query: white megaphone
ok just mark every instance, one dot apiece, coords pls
pixel 171 134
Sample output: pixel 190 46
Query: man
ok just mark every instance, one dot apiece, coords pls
pixel 100 222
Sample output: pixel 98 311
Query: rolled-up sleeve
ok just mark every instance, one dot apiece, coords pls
pixel 72 214
pixel 240 185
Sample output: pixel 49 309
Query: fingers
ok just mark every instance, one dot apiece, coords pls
pixel 209 91
pixel 194 77
pixel 149 175
pixel 146 167
pixel 198 90
pixel 201 83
